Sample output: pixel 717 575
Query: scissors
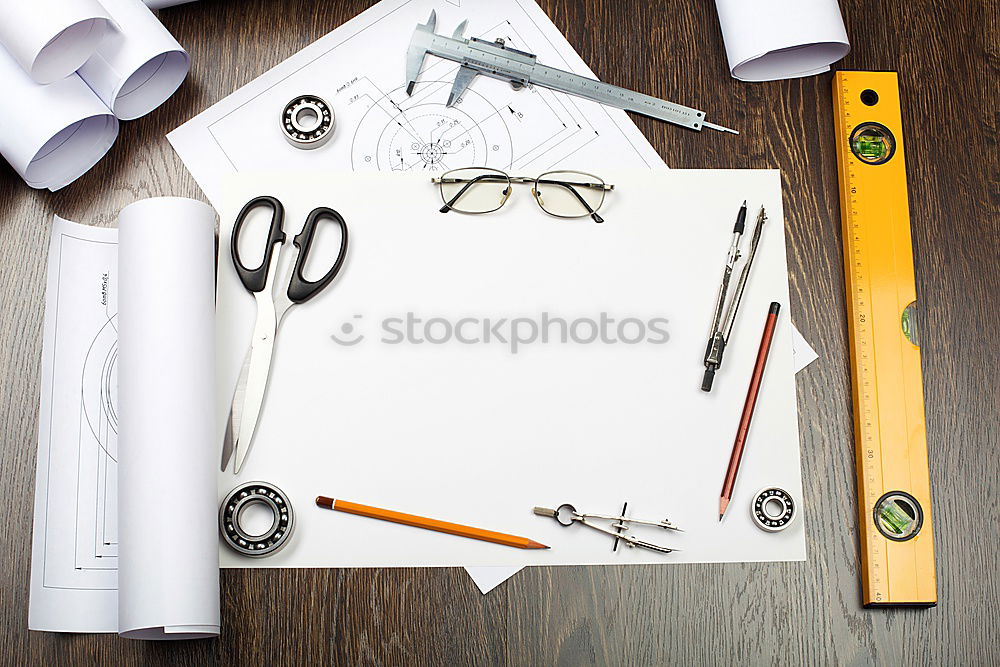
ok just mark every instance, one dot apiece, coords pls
pixel 271 309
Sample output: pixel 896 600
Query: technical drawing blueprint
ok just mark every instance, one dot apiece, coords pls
pixel 75 543
pixel 99 434
pixel 113 457
pixel 359 69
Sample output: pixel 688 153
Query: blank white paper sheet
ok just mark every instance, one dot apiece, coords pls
pixel 468 426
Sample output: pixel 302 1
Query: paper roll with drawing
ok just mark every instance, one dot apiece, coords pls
pixel 139 65
pixel 166 422
pixel 51 134
pixel 100 565
pixel 768 40
pixel 50 39
pixel 54 133
pixel 161 4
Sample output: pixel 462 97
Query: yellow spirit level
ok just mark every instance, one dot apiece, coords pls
pixel 894 502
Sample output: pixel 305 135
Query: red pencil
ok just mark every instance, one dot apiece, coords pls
pixel 748 406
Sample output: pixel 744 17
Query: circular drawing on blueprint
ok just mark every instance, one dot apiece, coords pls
pixel 100 387
pixel 400 132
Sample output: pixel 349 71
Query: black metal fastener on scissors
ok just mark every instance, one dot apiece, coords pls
pixel 271 309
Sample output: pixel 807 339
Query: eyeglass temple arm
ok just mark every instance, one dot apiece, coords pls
pixel 595 186
pixel 569 186
pixel 472 181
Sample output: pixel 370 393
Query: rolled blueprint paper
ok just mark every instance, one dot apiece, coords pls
pixel 160 4
pixel 767 40
pixel 168 556
pixel 139 65
pixel 51 134
pixel 50 39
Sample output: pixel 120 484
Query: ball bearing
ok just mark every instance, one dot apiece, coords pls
pixel 307 122
pixel 765 517
pixel 274 538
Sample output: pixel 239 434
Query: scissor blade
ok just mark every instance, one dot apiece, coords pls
pixel 260 366
pixel 229 440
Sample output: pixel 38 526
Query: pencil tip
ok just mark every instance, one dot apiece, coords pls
pixel 536 545
pixel 720 517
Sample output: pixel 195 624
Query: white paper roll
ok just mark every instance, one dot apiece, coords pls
pixel 168 558
pixel 767 40
pixel 160 4
pixel 51 134
pixel 139 65
pixel 50 39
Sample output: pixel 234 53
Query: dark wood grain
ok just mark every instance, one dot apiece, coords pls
pixel 947 54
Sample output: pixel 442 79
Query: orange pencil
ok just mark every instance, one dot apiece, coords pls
pixel 429 524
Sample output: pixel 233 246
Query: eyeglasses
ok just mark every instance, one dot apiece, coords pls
pixel 563 194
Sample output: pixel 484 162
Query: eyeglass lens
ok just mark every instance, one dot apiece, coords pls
pixel 474 189
pixel 569 194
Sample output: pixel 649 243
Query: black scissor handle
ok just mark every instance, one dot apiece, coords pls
pixel 300 289
pixel 255 279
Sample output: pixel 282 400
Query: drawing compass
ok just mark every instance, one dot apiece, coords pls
pixel 519 68
pixel 722 326
pixel 566 515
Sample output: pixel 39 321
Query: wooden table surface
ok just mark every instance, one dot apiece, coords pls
pixel 947 55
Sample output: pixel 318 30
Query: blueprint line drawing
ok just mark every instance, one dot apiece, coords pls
pixel 359 69
pixel 400 133
pixel 78 443
pixel 98 399
pixel 419 131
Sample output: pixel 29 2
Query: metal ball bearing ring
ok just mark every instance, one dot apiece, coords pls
pixel 307 122
pixel 766 519
pixel 274 538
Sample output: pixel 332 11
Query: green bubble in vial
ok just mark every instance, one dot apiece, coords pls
pixel 870 147
pixel 909 322
pixel 894 518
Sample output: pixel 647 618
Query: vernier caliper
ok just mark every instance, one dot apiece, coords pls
pixel 499 61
